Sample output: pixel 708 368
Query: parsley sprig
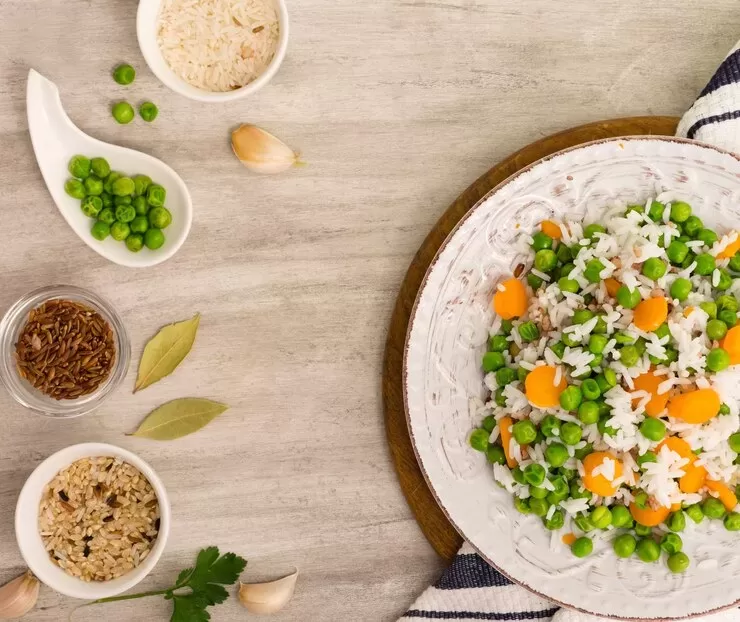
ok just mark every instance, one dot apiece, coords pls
pixel 205 584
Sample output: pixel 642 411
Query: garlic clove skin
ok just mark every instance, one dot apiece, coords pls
pixel 260 151
pixel 19 596
pixel 269 597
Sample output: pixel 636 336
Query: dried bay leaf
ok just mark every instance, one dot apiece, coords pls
pixel 165 351
pixel 179 418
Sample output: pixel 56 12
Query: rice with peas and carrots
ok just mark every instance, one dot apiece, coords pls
pixel 611 365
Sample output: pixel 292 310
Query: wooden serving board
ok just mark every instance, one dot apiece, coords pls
pixel 438 530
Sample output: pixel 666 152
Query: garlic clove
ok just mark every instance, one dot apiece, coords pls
pixel 19 596
pixel 260 151
pixel 269 597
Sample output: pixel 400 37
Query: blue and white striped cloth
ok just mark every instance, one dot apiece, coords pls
pixel 470 589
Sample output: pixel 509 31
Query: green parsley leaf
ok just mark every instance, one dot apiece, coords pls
pixel 190 608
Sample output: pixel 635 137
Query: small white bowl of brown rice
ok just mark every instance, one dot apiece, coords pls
pixel 213 50
pixel 92 520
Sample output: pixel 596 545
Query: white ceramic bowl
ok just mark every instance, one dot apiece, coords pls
pixel 447 337
pixel 32 547
pixel 146 31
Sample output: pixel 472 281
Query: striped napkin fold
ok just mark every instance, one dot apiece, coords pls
pixel 470 589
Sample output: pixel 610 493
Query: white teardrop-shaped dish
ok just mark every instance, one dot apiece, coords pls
pixel 56 139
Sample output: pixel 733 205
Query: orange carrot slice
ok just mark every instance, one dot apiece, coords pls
pixel 612 286
pixel 650 382
pixel 731 343
pixel 510 300
pixel 687 311
pixel 599 484
pixel 504 426
pixel 569 538
pixel 730 250
pixel 541 389
pixel 551 228
pixel 725 494
pixel 694 475
pixel 651 313
pixel 697 406
pixel 649 517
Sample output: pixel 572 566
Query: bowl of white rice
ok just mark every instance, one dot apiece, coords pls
pixel 213 50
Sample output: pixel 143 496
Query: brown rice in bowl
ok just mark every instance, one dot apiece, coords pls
pixel 99 518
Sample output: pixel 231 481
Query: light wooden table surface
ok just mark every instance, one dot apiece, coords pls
pixel 397 105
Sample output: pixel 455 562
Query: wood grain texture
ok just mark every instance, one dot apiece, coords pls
pixel 432 520
pixel 396 105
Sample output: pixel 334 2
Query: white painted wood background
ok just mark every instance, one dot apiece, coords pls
pixel 397 105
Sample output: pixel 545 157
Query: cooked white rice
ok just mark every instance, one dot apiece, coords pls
pixel 218 45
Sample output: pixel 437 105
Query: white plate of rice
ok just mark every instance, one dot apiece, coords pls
pixel 448 395
pixel 213 50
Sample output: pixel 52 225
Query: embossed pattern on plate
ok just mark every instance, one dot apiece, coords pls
pixel 447 337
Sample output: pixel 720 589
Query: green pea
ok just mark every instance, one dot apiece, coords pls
pixel 581 316
pixel 582 547
pixel 581 453
pixel 159 217
pixel 107 216
pixel 648 550
pixel 504 376
pixel 522 505
pixel 125 213
pixel 556 521
pixel 680 289
pixel 568 474
pixel 140 224
pixel 556 454
pixel 124 74
pixel 558 349
pixel 538 492
pixel 713 508
pixel 629 356
pixel 643 530
pixel 655 211
pixel 75 188
pixel 624 545
pixel 653 429
pixel 100 230
pixel 568 285
pixel 120 231
pixel 606 380
pixel 590 390
pixel 528 331
pixel 506 327
pixel 93 185
pixel 91 206
pixel 588 413
pixel 524 432
pixel 724 409
pixel 727 301
pixel 539 507
pixel 478 438
pixel 732 521
pixel 692 226
pixel 550 426
pixel 124 200
pixel 621 517
pixel 566 269
pixel 718 359
pixel 735 262
pixel 716 329
pixel 540 241
pixel 648 456
pixel 593 269
pixel 728 317
pixel 677 521
pixel 545 260
pixel 495 454
pixel 534 474
pixel 694 513
pixel 710 308
pixel 570 398
pixel 518 476
pixel 569 340
pixel 107 199
pixel 108 183
pixel 734 442
pixel 678 562
pixel 534 281
pixel 148 111
pixel 499 396
pixel 725 280
pixel 491 360
pixel 628 298
pixel 123 112
pixel 640 209
pixel 100 167
pixel 521 373
pixel 79 166
pixel 680 211
pixel 705 264
pixel 591 230
pixel 604 428
pixel 563 254
pixel 122 186
pixel 671 543
pixel 583 523
pixel 707 236
pixel 142 207
pixel 604 408
pixel 496 343
pixel 601 517
pixel 560 491
pixel 654 268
